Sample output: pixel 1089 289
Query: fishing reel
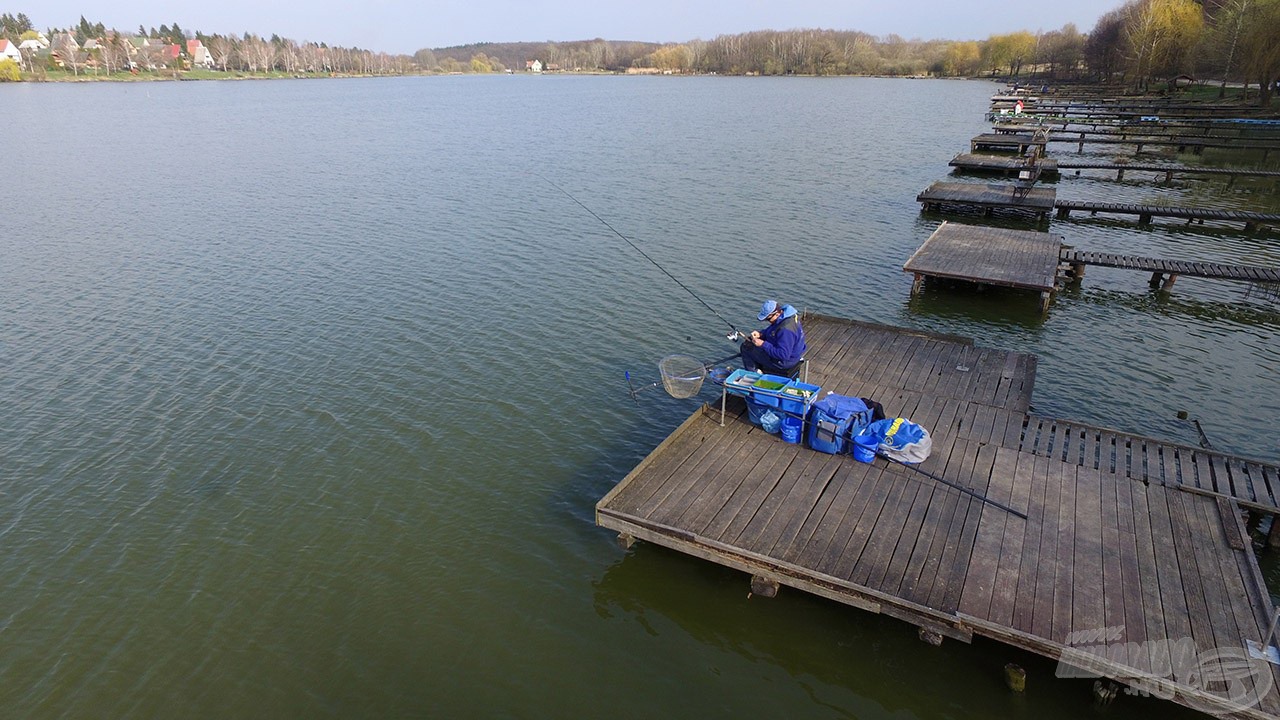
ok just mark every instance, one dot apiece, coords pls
pixel 735 337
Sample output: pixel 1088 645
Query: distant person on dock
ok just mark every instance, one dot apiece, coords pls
pixel 779 348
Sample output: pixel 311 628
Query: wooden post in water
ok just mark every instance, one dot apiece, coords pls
pixel 1015 677
pixel 763 586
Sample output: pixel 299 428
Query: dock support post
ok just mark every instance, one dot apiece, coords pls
pixel 625 541
pixel 1250 226
pixel 1104 691
pixel 917 284
pixel 1273 534
pixel 1015 677
pixel 1120 174
pixel 1169 281
pixel 1045 295
pixel 1077 271
pixel 1139 150
pixel 1156 278
pixel 1144 219
pixel 763 586
pixel 931 637
pixel 1168 177
pixel 1063 213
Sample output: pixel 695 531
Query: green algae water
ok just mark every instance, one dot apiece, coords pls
pixel 310 387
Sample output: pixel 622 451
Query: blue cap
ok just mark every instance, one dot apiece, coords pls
pixel 767 309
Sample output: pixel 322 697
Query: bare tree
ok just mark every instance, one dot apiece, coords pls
pixel 222 48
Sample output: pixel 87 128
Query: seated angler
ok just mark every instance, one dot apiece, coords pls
pixel 780 347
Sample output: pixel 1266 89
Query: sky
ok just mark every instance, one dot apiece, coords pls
pixel 405 26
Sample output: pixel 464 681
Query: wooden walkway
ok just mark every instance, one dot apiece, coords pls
pixel 1183 144
pixel 1107 570
pixel 988 197
pixel 1252 220
pixel 1166 170
pixel 994 256
pixel 1165 272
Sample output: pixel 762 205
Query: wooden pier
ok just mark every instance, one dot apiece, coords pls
pixel 1252 220
pixel 1020 259
pixel 1165 272
pixel 1108 568
pixel 989 197
pixel 1002 164
pixel 1012 142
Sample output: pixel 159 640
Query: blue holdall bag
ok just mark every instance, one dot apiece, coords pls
pixel 832 418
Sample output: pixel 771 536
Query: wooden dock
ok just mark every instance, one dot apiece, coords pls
pixel 1012 142
pixel 1147 583
pixel 1252 220
pixel 994 256
pixel 1165 272
pixel 989 198
pixel 1002 164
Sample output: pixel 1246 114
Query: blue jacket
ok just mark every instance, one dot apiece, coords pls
pixel 784 339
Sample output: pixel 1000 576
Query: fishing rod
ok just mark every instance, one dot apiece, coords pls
pixel 948 483
pixel 733 336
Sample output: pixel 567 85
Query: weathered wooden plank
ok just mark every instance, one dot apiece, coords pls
pixel 1193 581
pixel 1127 549
pixel 682 489
pixel 959 550
pixel 1113 584
pixel 1066 574
pixel 1051 564
pixel 1153 611
pixel 984 562
pixel 1033 562
pixel 855 527
pixel 1173 595
pixel 857 484
pixel 795 492
pixel 1088 611
pixel 923 566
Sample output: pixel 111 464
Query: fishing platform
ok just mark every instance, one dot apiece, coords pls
pixel 989 197
pixel 1040 261
pixel 1115 563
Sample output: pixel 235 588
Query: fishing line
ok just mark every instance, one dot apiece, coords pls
pixel 643 253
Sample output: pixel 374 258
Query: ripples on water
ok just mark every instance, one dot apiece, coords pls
pixel 311 387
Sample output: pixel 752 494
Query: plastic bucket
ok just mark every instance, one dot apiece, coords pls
pixel 791 429
pixel 864 448
pixel 770 422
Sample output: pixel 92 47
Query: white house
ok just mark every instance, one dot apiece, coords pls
pixel 9 51
pixel 533 65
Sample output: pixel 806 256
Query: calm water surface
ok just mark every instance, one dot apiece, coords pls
pixel 310 388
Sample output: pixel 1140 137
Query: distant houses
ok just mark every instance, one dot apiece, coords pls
pixel 9 51
pixel 199 54
pixel 533 65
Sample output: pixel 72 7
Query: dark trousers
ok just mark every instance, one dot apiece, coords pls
pixel 755 359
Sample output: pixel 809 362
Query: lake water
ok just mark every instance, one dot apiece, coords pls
pixel 310 387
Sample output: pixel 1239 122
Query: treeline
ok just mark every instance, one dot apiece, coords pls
pixel 577 55
pixel 1150 40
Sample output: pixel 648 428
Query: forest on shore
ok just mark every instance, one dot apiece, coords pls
pixel 1139 43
